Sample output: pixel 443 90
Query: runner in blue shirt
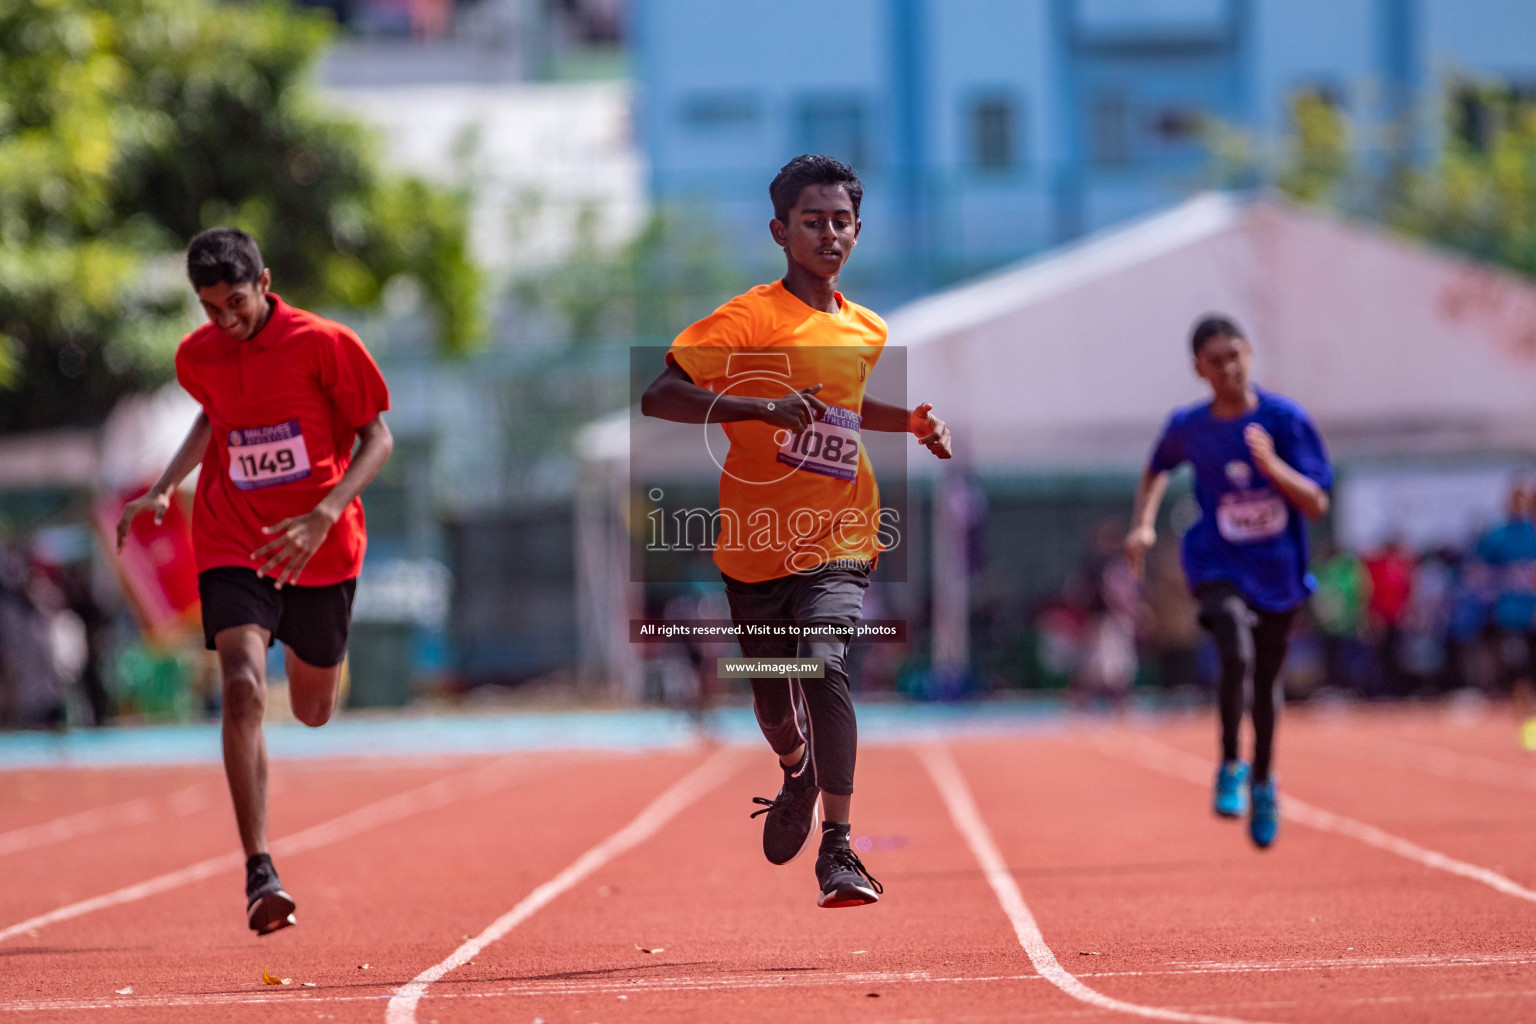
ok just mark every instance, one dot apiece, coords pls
pixel 1260 472
pixel 1509 550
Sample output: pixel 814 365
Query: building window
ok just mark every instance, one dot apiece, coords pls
pixel 835 127
pixel 721 111
pixel 1152 18
pixel 1483 112
pixel 1177 126
pixel 1111 130
pixel 993 142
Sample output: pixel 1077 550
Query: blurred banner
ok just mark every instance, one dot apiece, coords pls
pixel 156 568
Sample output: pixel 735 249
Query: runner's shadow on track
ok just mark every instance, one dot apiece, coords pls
pixel 786 970
pixel 1060 871
pixel 600 972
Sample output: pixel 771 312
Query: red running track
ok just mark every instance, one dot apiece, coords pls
pixel 1074 877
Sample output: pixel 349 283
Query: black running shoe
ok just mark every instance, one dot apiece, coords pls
pixel 845 882
pixel 792 815
pixel 267 906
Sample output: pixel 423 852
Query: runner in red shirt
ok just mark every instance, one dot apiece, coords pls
pixel 277 525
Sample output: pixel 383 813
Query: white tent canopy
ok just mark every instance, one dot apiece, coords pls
pixel 1074 359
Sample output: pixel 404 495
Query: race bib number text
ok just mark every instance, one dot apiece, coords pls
pixel 1248 517
pixel 267 456
pixel 830 446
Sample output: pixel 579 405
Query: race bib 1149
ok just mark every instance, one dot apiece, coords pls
pixel 829 446
pixel 267 456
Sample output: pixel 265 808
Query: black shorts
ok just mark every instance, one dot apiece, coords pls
pixel 312 621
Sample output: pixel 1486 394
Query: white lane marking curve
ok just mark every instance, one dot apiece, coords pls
pixel 433 795
pixel 138 811
pixel 677 797
pixel 1160 757
pixel 968 821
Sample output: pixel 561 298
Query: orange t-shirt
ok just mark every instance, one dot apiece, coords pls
pixel 285 408
pixel 788 503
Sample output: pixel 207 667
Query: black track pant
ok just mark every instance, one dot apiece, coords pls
pixel 1252 645
pixel 818 712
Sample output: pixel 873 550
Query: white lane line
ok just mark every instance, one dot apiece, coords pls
pixel 761 980
pixel 433 795
pixel 677 797
pixel 130 812
pixel 1160 757
pixel 1437 761
pixel 962 810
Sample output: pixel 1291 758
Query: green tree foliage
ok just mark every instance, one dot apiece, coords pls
pixel 1481 198
pixel 1319 150
pixel 126 126
pixel 1478 196
pixel 671 273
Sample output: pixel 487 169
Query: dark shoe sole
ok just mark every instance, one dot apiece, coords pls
pixel 847 898
pixel 1262 846
pixel 271 912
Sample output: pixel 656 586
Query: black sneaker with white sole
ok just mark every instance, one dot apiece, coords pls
pixel 267 906
pixel 792 815
pixel 845 882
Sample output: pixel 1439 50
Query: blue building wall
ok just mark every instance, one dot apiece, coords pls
pixel 989 129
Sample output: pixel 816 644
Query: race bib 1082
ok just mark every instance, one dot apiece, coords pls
pixel 267 456
pixel 830 446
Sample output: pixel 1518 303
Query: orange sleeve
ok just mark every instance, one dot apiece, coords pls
pixel 704 349
pixel 352 379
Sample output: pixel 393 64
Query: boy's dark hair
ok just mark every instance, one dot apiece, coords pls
pixel 1213 327
pixel 223 256
pixel 806 170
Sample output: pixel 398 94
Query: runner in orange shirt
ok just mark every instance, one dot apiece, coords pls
pixel 277 525
pixel 783 370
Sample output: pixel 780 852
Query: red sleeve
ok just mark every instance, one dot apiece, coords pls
pixel 352 379
pixel 188 379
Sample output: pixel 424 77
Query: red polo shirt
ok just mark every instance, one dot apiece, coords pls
pixel 285 408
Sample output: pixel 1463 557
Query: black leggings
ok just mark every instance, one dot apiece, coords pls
pixel 816 712
pixel 1252 646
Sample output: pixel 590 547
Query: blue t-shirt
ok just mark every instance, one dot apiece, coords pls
pixel 1510 551
pixel 1248 534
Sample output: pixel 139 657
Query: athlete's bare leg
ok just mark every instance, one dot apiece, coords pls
pixel 243 666
pixel 311 690
pixel 835 807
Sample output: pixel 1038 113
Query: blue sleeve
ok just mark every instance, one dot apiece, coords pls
pixel 1303 450
pixel 1168 454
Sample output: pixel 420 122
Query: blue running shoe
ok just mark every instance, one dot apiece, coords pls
pixel 1264 824
pixel 1232 789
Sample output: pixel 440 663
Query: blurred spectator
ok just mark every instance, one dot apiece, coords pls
pixel 1173 622
pixel 31 694
pixel 1060 632
pixel 1426 625
pixel 1338 607
pixel 96 624
pixel 1108 668
pixel 1391 577
pixel 1509 550
pixel 1469 660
